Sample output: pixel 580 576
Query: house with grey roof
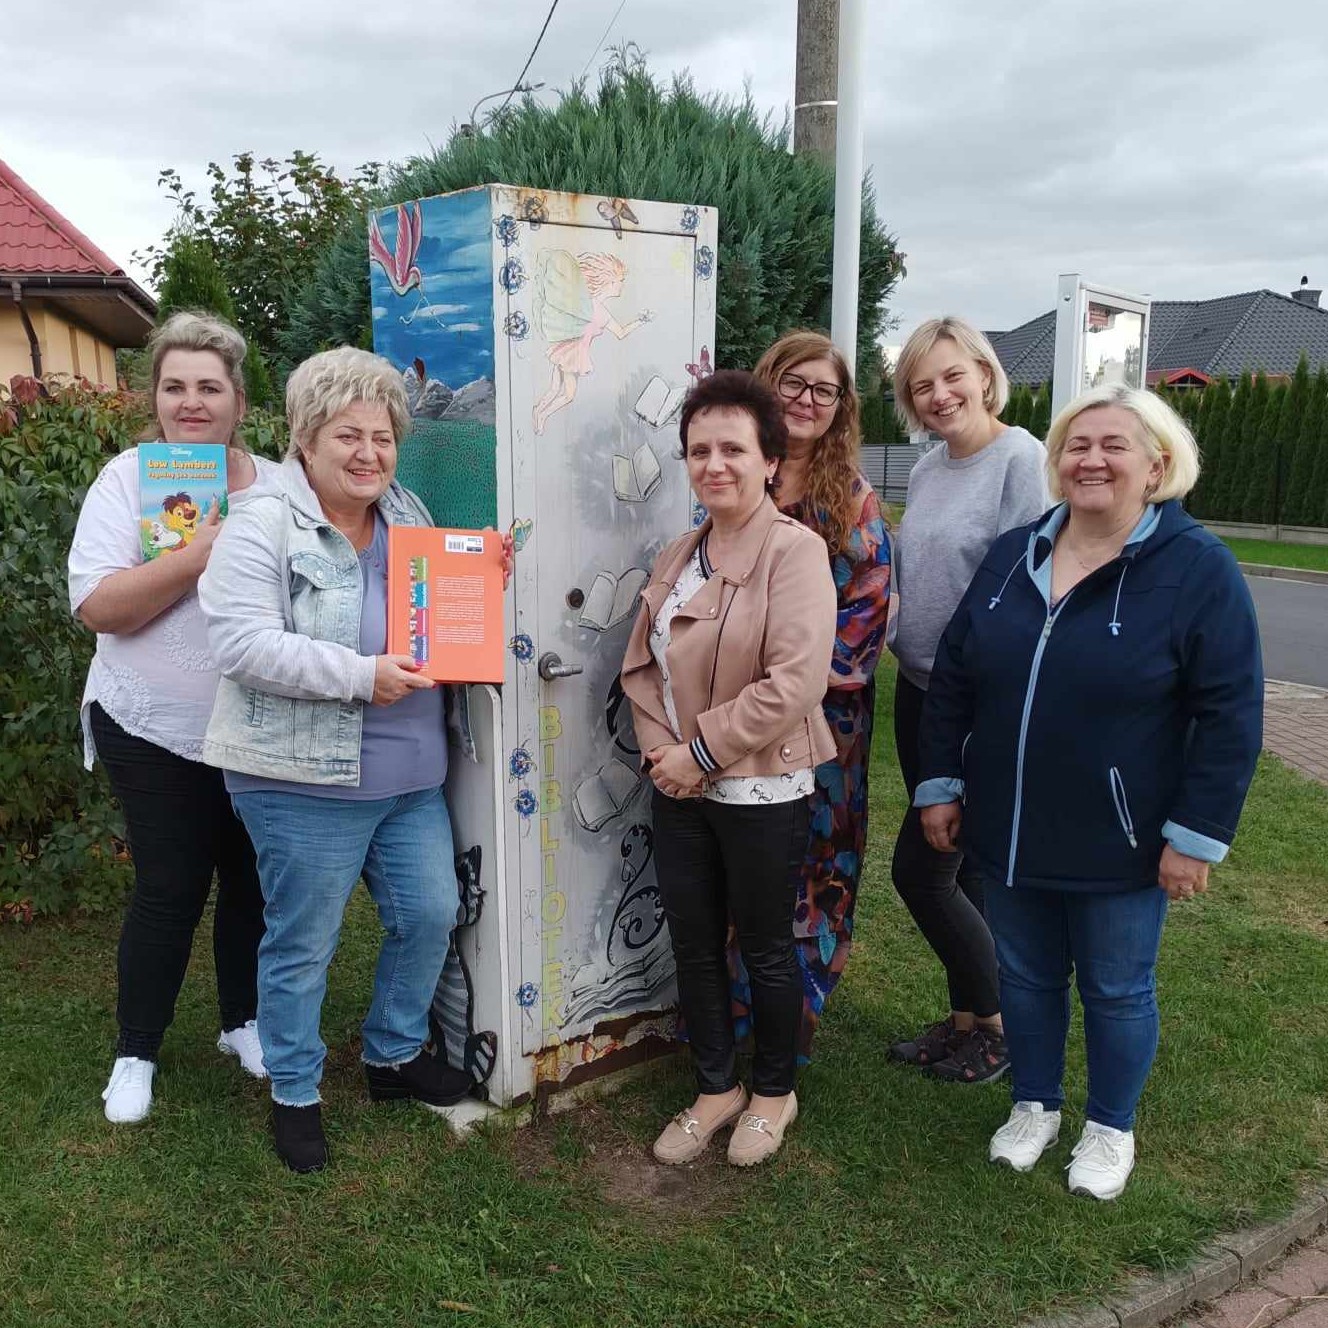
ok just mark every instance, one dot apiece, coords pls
pixel 1191 342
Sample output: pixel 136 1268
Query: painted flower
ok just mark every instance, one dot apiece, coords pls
pixel 520 763
pixel 526 803
pixel 533 212
pixel 399 263
pixel 522 647
pixel 705 262
pixel 512 276
pixel 505 228
pixel 516 326
pixel 526 995
pixel 691 218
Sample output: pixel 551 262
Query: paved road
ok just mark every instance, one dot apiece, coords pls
pixel 1293 622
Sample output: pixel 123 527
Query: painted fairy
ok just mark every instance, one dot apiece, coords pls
pixel 571 310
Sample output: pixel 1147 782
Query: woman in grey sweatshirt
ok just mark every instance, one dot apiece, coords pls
pixel 985 479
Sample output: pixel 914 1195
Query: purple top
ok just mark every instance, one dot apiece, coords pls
pixel 403 747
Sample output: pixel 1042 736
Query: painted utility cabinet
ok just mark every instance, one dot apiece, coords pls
pixel 546 342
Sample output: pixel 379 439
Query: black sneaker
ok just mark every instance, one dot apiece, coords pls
pixel 933 1044
pixel 979 1058
pixel 428 1079
pixel 298 1135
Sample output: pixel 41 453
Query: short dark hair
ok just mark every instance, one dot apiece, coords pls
pixel 736 389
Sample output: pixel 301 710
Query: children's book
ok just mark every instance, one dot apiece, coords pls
pixel 659 402
pixel 177 485
pixel 445 601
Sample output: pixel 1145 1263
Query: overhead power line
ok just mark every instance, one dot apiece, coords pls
pixel 520 78
pixel 599 45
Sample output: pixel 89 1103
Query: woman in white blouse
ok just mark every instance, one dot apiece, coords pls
pixel 145 709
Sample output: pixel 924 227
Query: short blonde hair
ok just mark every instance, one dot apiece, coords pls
pixel 971 342
pixel 194 329
pixel 1161 431
pixel 327 383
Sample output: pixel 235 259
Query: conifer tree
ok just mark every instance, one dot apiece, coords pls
pixel 1261 432
pixel 1197 505
pixel 191 279
pixel 1039 418
pixel 1318 505
pixel 1232 477
pixel 635 137
pixel 1212 422
pixel 1298 448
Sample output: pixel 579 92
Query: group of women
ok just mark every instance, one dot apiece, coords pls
pixel 1076 715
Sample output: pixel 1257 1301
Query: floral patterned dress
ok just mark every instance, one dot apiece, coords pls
pixel 823 917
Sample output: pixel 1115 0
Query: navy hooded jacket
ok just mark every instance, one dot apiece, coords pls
pixel 1082 737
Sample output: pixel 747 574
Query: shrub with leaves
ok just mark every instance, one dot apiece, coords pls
pixel 637 138
pixel 56 820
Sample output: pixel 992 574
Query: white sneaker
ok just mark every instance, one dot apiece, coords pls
pixel 1029 1132
pixel 1101 1161
pixel 128 1096
pixel 243 1042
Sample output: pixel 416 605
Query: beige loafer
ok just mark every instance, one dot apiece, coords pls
pixel 756 1138
pixel 684 1138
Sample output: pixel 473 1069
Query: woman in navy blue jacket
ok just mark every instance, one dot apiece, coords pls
pixel 1092 725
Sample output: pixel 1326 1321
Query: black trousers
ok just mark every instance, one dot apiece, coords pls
pixel 714 861
pixel 943 896
pixel 181 829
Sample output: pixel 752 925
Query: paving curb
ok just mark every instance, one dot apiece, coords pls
pixel 1284 573
pixel 1225 1263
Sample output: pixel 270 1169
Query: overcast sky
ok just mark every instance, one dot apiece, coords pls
pixel 1179 150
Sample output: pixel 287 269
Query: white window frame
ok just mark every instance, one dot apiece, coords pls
pixel 1073 296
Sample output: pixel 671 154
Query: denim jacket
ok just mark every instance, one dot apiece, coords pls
pixel 281 595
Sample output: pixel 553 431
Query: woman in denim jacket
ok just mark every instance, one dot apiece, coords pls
pixel 334 751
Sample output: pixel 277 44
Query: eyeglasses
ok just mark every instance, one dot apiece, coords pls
pixel 791 387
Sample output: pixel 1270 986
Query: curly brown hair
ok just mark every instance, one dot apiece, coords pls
pixel 833 469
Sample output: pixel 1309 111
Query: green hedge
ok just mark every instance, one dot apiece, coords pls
pixel 58 823
pixel 1264 449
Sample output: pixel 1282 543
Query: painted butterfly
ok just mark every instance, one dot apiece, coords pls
pixel 703 368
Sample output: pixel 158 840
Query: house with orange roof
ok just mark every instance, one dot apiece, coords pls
pixel 65 306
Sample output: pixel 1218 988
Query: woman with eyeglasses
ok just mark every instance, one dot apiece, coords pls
pixel 821 485
pixel 987 478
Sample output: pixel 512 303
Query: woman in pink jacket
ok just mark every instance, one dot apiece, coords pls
pixel 725 669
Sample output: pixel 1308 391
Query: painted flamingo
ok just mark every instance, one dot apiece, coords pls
pixel 400 266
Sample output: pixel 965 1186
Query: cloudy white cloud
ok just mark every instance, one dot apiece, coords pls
pixel 1172 149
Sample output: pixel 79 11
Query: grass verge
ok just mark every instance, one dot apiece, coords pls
pixel 1273 553
pixel 881 1210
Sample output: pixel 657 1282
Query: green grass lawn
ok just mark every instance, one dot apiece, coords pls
pixel 881 1209
pixel 1276 554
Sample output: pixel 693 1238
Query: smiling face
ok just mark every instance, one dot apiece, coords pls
pixel 1105 470
pixel 725 465
pixel 351 459
pixel 195 399
pixel 948 387
pixel 807 419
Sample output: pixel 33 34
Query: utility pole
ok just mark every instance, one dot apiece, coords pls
pixel 816 82
pixel 848 180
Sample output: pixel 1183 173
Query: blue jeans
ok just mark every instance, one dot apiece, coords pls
pixel 1110 942
pixel 311 851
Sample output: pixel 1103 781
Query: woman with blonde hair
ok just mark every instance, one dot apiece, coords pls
pixel 985 479
pixel 821 485
pixel 1091 728
pixel 335 752
pixel 145 709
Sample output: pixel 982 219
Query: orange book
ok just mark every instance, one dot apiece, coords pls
pixel 445 601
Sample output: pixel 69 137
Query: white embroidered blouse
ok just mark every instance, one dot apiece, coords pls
pixel 159 682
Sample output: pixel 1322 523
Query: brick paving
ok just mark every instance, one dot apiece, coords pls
pixel 1290 1293
pixel 1295 727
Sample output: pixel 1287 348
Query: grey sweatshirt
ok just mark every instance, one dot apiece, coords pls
pixel 955 509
